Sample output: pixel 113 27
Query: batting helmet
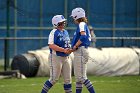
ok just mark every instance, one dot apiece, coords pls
pixel 78 13
pixel 57 19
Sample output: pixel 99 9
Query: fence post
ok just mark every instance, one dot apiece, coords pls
pixel 6 54
pixel 6 41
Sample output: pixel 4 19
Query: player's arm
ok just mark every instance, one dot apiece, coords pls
pixel 57 48
pixel 82 37
pixel 83 34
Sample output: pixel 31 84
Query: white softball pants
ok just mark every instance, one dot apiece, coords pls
pixel 59 65
pixel 81 56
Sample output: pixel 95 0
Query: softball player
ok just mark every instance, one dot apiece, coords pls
pixel 59 44
pixel 80 44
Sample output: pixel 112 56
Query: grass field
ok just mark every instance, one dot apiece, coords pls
pixel 123 84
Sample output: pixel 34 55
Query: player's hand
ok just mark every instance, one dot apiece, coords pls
pixel 67 51
pixel 74 49
pixel 70 50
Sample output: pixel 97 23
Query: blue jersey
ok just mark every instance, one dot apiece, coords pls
pixel 59 38
pixel 82 27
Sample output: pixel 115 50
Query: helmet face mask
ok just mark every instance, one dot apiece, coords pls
pixel 61 23
pixel 57 20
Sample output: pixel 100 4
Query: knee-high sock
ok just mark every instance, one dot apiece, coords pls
pixel 67 88
pixel 89 86
pixel 79 87
pixel 46 87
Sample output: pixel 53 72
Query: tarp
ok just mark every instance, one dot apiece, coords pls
pixel 103 61
pixel 113 61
